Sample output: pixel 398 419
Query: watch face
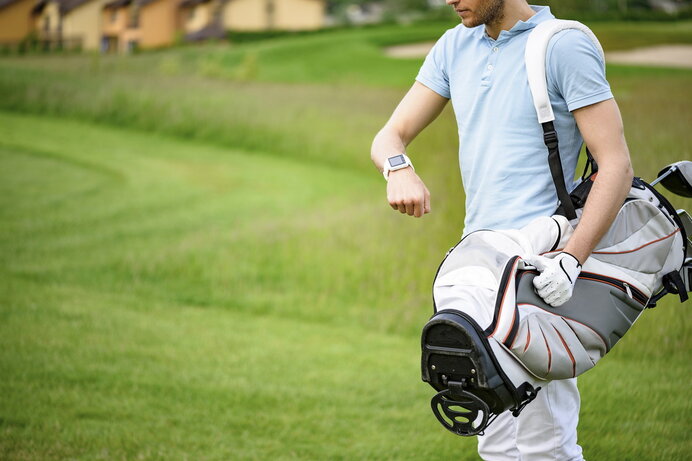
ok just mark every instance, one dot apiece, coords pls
pixel 396 161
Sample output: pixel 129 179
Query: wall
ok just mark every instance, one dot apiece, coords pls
pixel 158 23
pixel 85 22
pixel 16 21
pixel 299 14
pixel 245 15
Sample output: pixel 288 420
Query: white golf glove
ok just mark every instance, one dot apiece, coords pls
pixel 557 279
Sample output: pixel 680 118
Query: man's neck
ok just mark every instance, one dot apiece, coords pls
pixel 514 12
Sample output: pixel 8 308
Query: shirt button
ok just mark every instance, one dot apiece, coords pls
pixel 495 49
pixel 490 67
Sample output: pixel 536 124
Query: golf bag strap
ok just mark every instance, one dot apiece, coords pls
pixel 535 61
pixel 555 164
pixel 591 167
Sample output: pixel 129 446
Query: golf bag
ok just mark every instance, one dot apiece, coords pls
pixel 493 342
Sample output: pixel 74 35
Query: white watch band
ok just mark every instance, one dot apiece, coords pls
pixel 396 162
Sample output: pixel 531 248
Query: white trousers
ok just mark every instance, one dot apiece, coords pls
pixel 546 430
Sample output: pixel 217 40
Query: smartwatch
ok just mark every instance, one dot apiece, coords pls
pixel 394 163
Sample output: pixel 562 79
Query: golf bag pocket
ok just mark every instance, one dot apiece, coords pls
pixel 566 341
pixel 551 348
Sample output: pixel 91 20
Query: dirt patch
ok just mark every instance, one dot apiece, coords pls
pixel 662 56
pixel 411 50
pixel 659 56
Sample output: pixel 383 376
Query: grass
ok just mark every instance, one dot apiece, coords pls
pixel 197 263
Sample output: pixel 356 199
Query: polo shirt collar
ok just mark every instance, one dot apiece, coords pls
pixel 542 14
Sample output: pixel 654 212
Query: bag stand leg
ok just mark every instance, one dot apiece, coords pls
pixel 458 361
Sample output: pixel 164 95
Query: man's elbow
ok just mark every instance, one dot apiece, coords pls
pixel 626 166
pixel 625 172
pixel 617 163
pixel 616 169
pixel 629 172
pixel 623 168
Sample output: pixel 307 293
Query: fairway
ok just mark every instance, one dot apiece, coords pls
pixel 197 260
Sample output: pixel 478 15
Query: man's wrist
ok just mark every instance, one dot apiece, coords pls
pixel 400 172
pixel 573 257
pixel 396 163
pixel 576 255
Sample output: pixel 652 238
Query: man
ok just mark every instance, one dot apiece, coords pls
pixel 479 66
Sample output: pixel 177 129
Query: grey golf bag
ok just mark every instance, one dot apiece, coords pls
pixel 493 342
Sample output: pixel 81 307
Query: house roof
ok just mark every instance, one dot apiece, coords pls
pixel 117 3
pixel 4 3
pixel 68 5
pixel 190 3
pixel 121 3
pixel 65 5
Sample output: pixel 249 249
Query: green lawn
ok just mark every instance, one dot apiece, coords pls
pixel 197 260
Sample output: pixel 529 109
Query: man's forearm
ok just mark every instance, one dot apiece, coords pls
pixel 607 195
pixel 387 143
pixel 601 126
pixel 417 109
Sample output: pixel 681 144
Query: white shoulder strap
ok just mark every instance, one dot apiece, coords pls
pixel 535 55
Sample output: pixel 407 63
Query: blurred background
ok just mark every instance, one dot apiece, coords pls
pixel 197 260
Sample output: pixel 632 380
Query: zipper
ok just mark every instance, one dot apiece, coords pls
pixel 629 290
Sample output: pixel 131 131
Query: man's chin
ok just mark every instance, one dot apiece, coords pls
pixel 468 21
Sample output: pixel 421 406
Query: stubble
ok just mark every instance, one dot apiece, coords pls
pixel 490 13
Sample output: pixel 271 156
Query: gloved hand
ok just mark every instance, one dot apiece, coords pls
pixel 557 279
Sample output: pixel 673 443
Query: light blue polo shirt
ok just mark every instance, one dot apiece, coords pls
pixel 503 159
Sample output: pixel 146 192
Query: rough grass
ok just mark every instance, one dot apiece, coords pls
pixel 202 266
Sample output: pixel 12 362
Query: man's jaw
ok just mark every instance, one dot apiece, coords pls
pixel 466 17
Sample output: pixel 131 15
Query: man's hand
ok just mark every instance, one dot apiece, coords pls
pixel 557 279
pixel 407 193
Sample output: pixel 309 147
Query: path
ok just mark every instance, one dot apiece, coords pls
pixel 660 56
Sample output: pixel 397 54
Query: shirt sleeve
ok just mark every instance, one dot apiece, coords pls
pixel 433 72
pixel 576 70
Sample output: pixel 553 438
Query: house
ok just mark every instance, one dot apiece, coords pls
pixel 69 23
pixel 131 24
pixel 15 20
pixel 206 19
pixel 118 31
pixel 257 15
